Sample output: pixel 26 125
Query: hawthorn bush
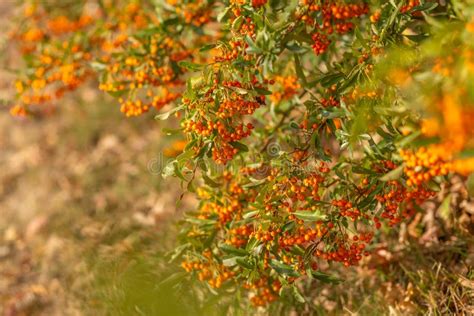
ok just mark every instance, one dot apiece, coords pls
pixel 312 128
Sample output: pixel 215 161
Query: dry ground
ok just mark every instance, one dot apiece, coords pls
pixel 73 187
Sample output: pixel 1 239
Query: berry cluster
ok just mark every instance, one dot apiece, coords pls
pixel 214 276
pixel 196 13
pixel 335 18
pixel 57 59
pixel 287 87
pixel 423 165
pixel 409 6
pixel 263 291
pixel 224 122
pixel 258 3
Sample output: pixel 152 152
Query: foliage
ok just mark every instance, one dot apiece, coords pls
pixel 312 127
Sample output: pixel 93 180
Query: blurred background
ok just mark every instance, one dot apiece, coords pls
pixel 85 217
pixel 79 191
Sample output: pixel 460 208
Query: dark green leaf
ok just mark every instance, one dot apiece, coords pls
pixel 282 268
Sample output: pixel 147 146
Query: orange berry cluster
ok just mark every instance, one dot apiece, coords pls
pixel 451 120
pixel 58 60
pixel 358 94
pixel 225 212
pixel 348 252
pixel 237 45
pixel 222 151
pixel 239 236
pixel 63 24
pixel 287 87
pixel 410 5
pixel 247 27
pixel 396 202
pixel 229 108
pixel 423 165
pixel 137 107
pixel 236 48
pixel 330 98
pixel 336 17
pixel 240 131
pixel 225 208
pixel 375 17
pixel 321 43
pixel 295 221
pixel 258 3
pixel 226 123
pixel 63 49
pixel 196 13
pixel 297 188
pixel 264 291
pixel 398 198
pixel 302 237
pixel 347 209
pixel 214 276
pixel 330 101
pixel 147 81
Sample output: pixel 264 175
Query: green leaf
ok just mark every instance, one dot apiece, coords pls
pixel 262 91
pixel 171 131
pixel 282 268
pixel 119 93
pixel 237 23
pixel 185 157
pixel 294 125
pixel 232 250
pixel 254 183
pixel 393 174
pixel 240 90
pixel 470 185
pixel 297 250
pixel 207 47
pixel 230 262
pixel 253 48
pixel 299 70
pixel 173 279
pixel 177 172
pixel 250 214
pixel 178 251
pixel 324 277
pixel 309 216
pixel 297 295
pixel 408 139
pixel 168 170
pixel 444 208
pixel 370 198
pixel 190 66
pixel 166 115
pixel 384 134
pixel 288 226
pixel 200 221
pixel 241 147
pixel 209 181
pixel 98 66
pixel 263 193
pixel 427 6
pixel 223 14
pixel 331 79
pixel 362 170
pixel 244 263
pixel 434 186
